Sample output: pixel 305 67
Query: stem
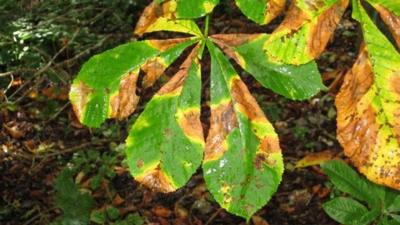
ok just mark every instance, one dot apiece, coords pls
pixel 207 23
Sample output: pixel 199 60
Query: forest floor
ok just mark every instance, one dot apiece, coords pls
pixel 40 136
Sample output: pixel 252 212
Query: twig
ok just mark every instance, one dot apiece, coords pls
pixel 44 68
pixel 84 53
pixel 10 73
pixel 57 113
pixel 213 216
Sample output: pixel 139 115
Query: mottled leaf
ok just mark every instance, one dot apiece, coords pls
pixel 261 11
pixel 389 10
pixel 369 107
pixel 294 82
pixel 305 31
pixel 165 145
pixel 243 162
pixel 162 17
pixel 106 85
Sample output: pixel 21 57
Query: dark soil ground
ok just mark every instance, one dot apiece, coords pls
pixel 33 151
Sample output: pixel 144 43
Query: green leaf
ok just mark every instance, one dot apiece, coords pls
pixel 162 16
pixel 305 32
pixel 134 219
pixel 347 180
pixel 112 213
pixel 396 217
pixel 294 82
pixel 194 8
pixel 105 87
pixel 395 206
pixel 243 163
pixel 98 217
pixel 75 205
pixel 165 145
pixel 349 212
pixel 386 221
pixel 261 11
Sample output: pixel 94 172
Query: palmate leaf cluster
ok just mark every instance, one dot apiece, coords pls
pixel 241 158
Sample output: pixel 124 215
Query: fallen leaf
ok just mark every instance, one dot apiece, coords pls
pixel 313 159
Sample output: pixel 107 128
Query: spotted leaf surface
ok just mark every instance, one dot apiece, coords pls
pixel 369 107
pixel 243 162
pixel 106 85
pixel 294 82
pixel 305 31
pixel 389 11
pixel 161 16
pixel 262 11
pixel 165 145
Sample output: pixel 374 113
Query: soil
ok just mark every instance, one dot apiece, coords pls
pixel 26 183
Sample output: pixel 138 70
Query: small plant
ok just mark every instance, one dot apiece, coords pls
pixel 242 163
pixel 365 202
pixel 75 205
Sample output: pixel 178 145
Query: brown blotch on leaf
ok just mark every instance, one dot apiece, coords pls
pixel 153 70
pixel 357 132
pixel 246 102
pixel 234 40
pixel 156 180
pixel 270 145
pixel 392 21
pixel 163 45
pixel 323 30
pixel 259 161
pixel 150 14
pixel 191 125
pixel 82 92
pixel 176 82
pixel 294 19
pixel 222 122
pixel 124 103
pixel 274 9
pixel 227 42
pixel 139 163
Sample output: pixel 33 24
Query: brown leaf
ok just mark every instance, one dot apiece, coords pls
pixel 161 211
pixel 257 220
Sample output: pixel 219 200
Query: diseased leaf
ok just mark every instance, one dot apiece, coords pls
pixel 162 17
pixel 389 11
pixel 262 11
pixel 243 161
pixel 349 212
pixel 369 107
pixel 165 145
pixel 305 31
pixel 294 82
pixel 105 87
